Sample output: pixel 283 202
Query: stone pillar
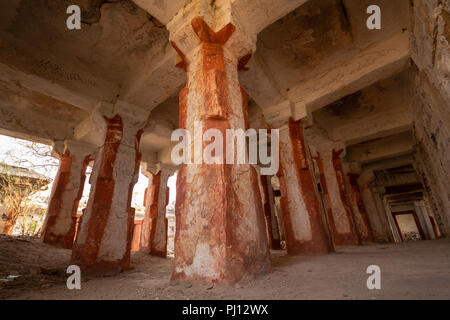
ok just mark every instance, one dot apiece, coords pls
pixel 377 215
pixel 154 228
pixel 103 242
pixel 77 223
pixel 340 178
pixel 269 211
pixel 361 219
pixel 136 242
pixel 220 229
pixel 151 209
pixel 275 182
pixel 60 222
pixel 385 213
pixel 340 215
pixel 279 216
pixel 432 217
pixel 304 223
pixel 424 220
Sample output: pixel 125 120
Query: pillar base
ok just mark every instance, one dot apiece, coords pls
pixel 226 241
pixel 64 241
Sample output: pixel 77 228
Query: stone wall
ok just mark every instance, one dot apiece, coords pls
pixel 431 107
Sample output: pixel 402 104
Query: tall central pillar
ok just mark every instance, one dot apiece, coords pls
pixel 220 228
pixel 103 242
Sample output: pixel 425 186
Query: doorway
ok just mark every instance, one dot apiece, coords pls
pixel 408 226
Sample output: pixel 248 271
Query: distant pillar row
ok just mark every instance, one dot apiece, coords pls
pixel 60 223
pixel 103 240
pixel 305 226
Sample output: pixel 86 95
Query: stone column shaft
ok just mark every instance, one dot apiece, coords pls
pixel 151 211
pixel 159 232
pixel 338 207
pixel 154 231
pixel 337 165
pixel 220 229
pixel 104 238
pixel 304 224
pixel 362 223
pixel 137 230
pixel 60 223
pixel 269 211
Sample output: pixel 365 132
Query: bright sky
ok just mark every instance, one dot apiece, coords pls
pixel 12 150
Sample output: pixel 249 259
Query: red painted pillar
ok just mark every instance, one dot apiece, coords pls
pixel 326 195
pixel 151 211
pixel 103 242
pixel 220 229
pixel 339 211
pixel 304 224
pixel 155 225
pixel 77 224
pixel 362 223
pixel 352 237
pixel 271 220
pixel 135 245
pixel 59 226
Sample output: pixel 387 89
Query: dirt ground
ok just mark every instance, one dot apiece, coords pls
pixel 419 270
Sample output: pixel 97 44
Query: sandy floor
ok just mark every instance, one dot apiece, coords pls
pixel 418 270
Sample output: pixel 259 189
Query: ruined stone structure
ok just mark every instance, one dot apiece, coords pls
pixel 363 118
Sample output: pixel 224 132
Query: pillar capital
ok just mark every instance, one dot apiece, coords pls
pixel 79 148
pixel 354 167
pixel 200 21
pixel 339 150
pixel 377 189
pixel 131 114
pixel 57 149
pixel 320 142
pixel 73 148
pixel 153 162
pixel 93 129
pixel 149 168
pixel 167 168
pixel 278 115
